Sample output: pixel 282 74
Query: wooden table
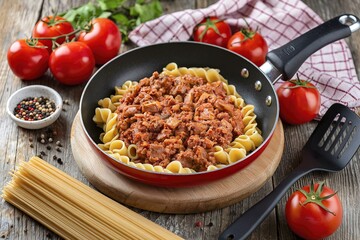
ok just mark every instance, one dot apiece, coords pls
pixel 16 20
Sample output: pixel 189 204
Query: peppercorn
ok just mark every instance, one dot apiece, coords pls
pixel 210 224
pixel 34 108
pixel 59 161
pixel 198 224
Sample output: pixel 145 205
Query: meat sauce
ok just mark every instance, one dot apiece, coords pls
pixel 178 118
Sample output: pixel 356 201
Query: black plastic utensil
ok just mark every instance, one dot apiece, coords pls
pixel 330 148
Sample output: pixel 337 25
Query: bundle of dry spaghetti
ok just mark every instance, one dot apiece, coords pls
pixel 73 210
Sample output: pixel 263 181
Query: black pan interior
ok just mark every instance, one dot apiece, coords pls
pixel 142 62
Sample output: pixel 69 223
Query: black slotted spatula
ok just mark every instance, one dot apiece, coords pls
pixel 330 148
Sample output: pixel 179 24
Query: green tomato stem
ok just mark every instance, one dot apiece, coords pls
pixel 314 197
pixel 299 83
pixel 60 36
pixel 209 24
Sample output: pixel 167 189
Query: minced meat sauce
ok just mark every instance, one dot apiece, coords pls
pixel 178 118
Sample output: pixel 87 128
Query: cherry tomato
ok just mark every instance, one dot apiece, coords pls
pixel 28 59
pixel 104 39
pixel 51 26
pixel 314 212
pixel 72 63
pixel 249 44
pixel 213 31
pixel 299 101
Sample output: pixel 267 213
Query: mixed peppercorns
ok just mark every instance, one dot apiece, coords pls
pixel 47 138
pixel 34 108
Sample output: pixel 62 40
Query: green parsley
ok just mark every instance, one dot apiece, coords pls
pixel 127 14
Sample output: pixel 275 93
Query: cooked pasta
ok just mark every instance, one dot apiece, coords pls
pixel 210 74
pixel 221 155
pixel 106 117
pixel 73 210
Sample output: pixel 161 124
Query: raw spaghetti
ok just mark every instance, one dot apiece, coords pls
pixel 73 210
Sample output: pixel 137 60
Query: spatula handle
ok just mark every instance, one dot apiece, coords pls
pixel 246 223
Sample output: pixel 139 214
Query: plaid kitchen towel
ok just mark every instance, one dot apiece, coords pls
pixel 330 69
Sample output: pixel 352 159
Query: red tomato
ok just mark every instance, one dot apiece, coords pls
pixel 213 31
pixel 311 215
pixel 52 27
pixel 104 39
pixel 28 59
pixel 72 63
pixel 299 101
pixel 249 44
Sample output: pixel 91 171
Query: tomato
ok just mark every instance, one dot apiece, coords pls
pixel 213 31
pixel 72 63
pixel 28 59
pixel 299 101
pixel 314 212
pixel 103 38
pixel 51 26
pixel 249 44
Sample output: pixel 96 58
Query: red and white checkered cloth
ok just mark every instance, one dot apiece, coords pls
pixel 330 69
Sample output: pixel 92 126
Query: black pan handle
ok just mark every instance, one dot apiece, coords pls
pixel 288 58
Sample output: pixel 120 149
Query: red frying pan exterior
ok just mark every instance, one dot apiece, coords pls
pixel 256 88
pixel 142 62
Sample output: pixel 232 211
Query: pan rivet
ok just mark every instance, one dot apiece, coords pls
pixel 245 73
pixel 258 85
pixel 268 100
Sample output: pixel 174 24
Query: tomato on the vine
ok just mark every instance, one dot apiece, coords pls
pixel 299 101
pixel 314 212
pixel 249 44
pixel 103 38
pixel 213 31
pixel 28 59
pixel 72 63
pixel 52 26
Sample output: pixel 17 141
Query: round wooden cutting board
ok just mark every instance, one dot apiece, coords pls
pixel 215 195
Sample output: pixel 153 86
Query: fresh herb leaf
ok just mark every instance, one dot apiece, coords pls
pixel 146 12
pixel 105 15
pixel 110 4
pixel 81 16
pixel 124 23
pixel 125 13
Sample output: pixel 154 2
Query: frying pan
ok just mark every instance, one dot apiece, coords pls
pixel 254 84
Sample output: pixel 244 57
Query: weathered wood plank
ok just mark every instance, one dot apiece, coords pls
pixel 17 18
